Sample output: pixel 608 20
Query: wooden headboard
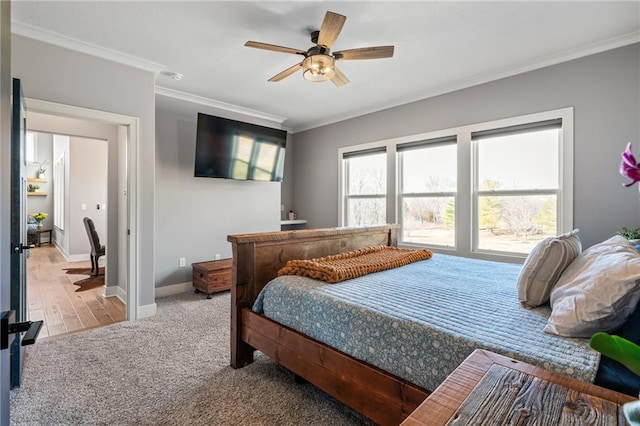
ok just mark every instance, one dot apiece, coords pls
pixel 258 257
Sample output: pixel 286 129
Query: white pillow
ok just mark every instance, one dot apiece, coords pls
pixel 543 267
pixel 598 290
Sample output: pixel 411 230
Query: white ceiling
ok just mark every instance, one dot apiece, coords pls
pixel 439 46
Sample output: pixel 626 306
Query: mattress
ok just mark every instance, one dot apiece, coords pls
pixel 420 321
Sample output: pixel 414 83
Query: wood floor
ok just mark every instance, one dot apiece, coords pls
pixel 52 296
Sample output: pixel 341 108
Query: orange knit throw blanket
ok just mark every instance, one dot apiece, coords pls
pixel 352 264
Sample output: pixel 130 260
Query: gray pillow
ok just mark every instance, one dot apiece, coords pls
pixel 544 265
pixel 598 291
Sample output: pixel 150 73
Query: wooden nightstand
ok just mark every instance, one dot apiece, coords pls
pixel 212 276
pixel 39 232
pixel 488 389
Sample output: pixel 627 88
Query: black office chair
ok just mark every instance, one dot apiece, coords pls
pixel 97 250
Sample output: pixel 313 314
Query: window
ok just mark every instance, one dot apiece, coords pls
pixel 30 154
pixel 365 179
pixel 488 190
pixel 517 187
pixel 427 191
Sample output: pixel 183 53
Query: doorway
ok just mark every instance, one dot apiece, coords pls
pixel 121 234
pixel 69 182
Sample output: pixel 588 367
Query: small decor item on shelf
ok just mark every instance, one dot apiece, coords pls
pixel 36 188
pixel 42 171
pixel 292 215
pixel 30 188
pixel 40 217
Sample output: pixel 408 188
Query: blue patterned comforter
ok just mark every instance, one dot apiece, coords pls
pixel 420 321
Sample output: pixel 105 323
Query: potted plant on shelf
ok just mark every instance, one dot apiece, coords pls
pixel 42 171
pixel 39 217
pixel 632 235
pixel 36 188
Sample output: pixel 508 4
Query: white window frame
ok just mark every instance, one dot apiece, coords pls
pixel 466 205
pixel 477 193
pixel 401 195
pixel 343 178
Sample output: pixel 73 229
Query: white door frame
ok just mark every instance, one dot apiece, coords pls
pixel 132 126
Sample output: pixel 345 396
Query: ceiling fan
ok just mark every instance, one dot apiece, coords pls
pixel 319 63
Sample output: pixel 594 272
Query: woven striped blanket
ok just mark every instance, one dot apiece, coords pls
pixel 353 264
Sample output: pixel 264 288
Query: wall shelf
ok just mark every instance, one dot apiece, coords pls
pixel 32 179
pixel 293 222
pixel 37 193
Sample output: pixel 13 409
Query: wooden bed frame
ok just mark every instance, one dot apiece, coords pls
pixel 380 396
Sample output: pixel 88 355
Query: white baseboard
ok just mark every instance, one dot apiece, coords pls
pixel 170 290
pixel 146 311
pixel 150 310
pixel 115 291
pixel 73 257
pixel 61 250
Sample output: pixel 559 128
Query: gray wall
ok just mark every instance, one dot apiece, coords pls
pixel 63 76
pixel 604 90
pixel 195 215
pixel 87 184
pixel 287 181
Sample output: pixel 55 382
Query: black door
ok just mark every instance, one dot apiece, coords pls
pixel 18 226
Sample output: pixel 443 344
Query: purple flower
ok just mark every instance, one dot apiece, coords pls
pixel 629 167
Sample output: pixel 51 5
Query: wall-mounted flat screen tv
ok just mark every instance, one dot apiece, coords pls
pixel 231 149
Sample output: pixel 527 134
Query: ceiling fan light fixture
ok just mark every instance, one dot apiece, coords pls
pixel 318 68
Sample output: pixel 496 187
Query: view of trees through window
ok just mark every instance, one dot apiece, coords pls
pixel 366 189
pixel 515 223
pixel 513 194
pixel 428 188
pixel 518 185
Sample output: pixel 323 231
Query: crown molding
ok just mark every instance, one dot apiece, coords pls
pixel 591 49
pixel 201 100
pixel 29 31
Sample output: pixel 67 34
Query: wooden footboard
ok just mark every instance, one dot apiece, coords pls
pixel 382 397
pixel 257 258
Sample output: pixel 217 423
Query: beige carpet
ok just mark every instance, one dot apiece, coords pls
pixel 171 369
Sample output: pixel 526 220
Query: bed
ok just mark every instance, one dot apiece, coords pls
pixel 384 382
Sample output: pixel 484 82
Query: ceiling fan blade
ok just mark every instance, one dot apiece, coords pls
pixel 275 48
pixel 339 79
pixel 365 53
pixel 286 73
pixel 330 29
